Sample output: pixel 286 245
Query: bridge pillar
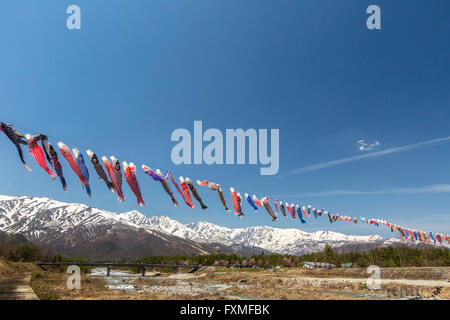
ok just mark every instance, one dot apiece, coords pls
pixel 143 271
pixel 108 270
pixel 176 269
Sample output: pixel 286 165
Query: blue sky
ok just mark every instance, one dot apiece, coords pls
pixel 137 71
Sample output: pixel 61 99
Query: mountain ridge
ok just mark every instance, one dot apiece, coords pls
pixel 74 228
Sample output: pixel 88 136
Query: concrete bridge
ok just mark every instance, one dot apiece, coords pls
pixel 109 265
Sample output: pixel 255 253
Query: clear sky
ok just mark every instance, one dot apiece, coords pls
pixel 137 70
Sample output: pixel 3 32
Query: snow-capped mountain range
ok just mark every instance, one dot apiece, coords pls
pixel 44 220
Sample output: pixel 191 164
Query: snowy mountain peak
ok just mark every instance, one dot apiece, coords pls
pixel 205 226
pixel 133 216
pixel 36 217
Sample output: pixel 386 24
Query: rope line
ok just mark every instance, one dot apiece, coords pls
pixel 36 132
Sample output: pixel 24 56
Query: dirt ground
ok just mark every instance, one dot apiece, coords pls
pixel 15 279
pixel 220 283
pixel 27 281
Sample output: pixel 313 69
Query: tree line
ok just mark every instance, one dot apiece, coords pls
pixel 401 256
pixel 17 248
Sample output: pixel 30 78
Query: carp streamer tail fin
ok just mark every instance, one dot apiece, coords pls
pixel 175 202
pixel 88 190
pixel 110 186
pixel 63 182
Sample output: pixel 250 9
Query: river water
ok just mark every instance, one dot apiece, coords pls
pixel 124 280
pixel 185 284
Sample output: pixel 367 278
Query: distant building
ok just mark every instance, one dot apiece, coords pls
pixel 349 265
pixel 314 265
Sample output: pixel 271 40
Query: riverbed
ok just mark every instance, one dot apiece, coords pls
pixel 198 285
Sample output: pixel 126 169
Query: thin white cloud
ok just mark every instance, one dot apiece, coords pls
pixel 371 155
pixel 435 188
pixel 364 146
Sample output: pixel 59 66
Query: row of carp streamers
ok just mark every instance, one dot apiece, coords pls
pixel 113 180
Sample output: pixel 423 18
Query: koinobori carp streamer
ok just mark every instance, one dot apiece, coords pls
pixel 154 174
pixel 291 209
pixel 129 171
pixel 314 211
pixel 195 193
pixel 166 186
pixel 17 139
pixel 115 176
pixel 84 170
pixel 38 154
pixel 269 210
pixel 237 199
pixel 52 157
pixel 99 169
pixel 158 176
pixel 299 213
pixel 211 185
pixel 222 199
pixel 72 163
pixel 283 210
pixel 304 212
pixel 215 187
pixel 47 153
pixel 258 202
pixel 187 196
pixel 250 202
pixel 178 189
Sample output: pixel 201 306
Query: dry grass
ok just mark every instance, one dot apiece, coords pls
pixel 9 269
pixel 435 273
pixel 300 294
pixel 283 284
pixel 50 286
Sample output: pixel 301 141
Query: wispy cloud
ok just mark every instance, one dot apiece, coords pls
pixel 364 146
pixel 435 188
pixel 371 155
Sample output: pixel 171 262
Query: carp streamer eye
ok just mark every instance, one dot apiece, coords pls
pixel 117 166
